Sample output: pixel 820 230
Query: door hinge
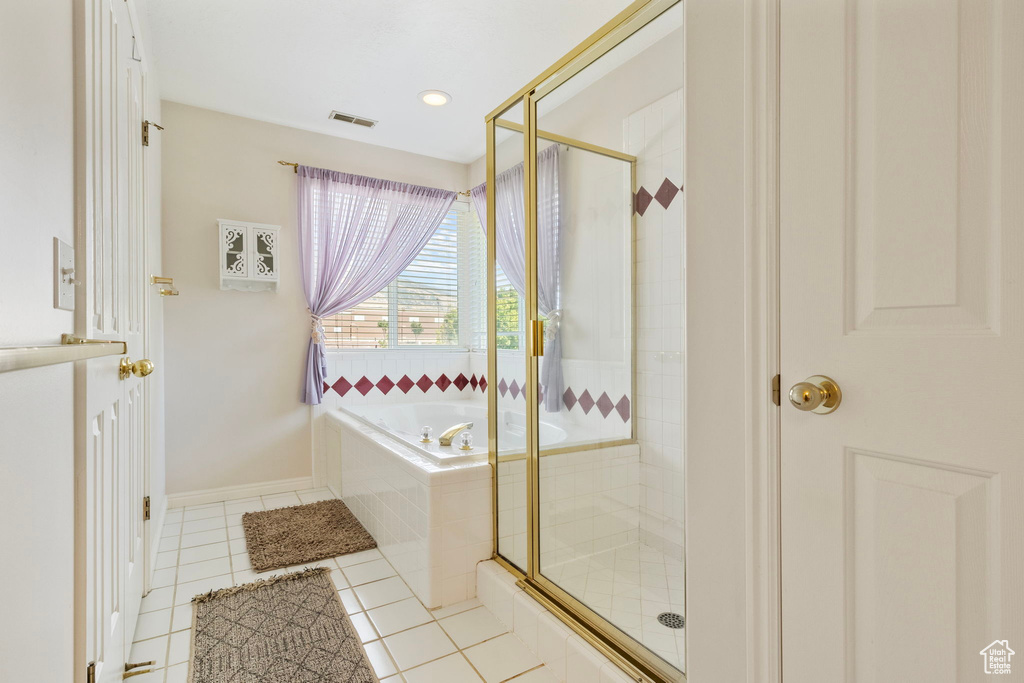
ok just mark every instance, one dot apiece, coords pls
pixel 777 390
pixel 145 509
pixel 145 131
pixel 90 673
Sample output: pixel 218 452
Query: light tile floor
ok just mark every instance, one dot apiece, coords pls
pixel 630 586
pixel 203 549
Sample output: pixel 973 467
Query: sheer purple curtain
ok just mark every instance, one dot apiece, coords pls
pixel 356 235
pixel 511 252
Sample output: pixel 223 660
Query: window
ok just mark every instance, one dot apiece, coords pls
pixel 419 308
pixel 510 306
pixel 439 301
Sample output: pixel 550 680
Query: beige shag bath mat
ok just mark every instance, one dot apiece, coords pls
pixel 304 533
pixel 286 628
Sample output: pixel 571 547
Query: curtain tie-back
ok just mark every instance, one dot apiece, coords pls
pixel 316 324
pixel 554 322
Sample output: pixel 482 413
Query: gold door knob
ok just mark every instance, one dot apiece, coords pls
pixel 817 394
pixel 139 368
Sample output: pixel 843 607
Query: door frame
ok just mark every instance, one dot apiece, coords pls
pixel 732 114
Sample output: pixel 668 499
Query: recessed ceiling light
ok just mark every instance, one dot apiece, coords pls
pixel 435 98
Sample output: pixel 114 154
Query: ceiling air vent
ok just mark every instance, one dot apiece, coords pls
pixel 349 118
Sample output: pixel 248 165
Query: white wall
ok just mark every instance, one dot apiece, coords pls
pixel 236 359
pixel 36 408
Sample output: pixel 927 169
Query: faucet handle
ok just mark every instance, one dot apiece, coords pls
pixel 426 433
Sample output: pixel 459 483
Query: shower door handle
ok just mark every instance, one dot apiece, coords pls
pixel 536 337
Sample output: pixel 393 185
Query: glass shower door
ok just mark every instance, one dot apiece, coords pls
pixel 586 241
pixel 507 373
pixel 606 192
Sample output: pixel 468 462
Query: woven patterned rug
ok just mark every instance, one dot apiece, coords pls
pixel 301 534
pixel 290 628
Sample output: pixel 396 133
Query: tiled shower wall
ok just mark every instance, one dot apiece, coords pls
pixel 655 135
pixel 596 395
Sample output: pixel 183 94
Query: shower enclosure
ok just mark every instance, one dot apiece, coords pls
pixel 585 239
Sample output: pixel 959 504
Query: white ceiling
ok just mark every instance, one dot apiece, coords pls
pixel 292 62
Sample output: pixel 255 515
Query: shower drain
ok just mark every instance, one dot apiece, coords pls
pixel 671 619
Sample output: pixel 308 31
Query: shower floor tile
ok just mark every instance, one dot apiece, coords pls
pixel 630 586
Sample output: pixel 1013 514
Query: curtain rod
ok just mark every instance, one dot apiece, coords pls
pixel 295 167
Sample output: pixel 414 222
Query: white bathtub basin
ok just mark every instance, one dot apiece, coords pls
pixel 403 422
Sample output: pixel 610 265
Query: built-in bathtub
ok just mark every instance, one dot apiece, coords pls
pixel 405 421
pixel 429 506
pixel 429 509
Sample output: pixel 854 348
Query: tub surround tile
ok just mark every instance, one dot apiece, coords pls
pixel 431 521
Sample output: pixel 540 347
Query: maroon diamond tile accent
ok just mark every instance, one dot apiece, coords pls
pixel 586 402
pixel 622 407
pixel 405 384
pixel 342 386
pixel 424 383
pixel 385 385
pixel 604 404
pixel 666 193
pixel 483 383
pixel 326 387
pixel 642 200
pixel 514 389
pixel 502 387
pixel 364 385
pixel 460 382
pixel 473 382
pixel 443 382
pixel 569 399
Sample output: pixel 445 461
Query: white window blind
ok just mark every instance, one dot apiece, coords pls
pixel 419 308
pixel 509 303
pixel 474 267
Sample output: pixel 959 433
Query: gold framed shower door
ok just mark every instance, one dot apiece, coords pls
pixel 634 658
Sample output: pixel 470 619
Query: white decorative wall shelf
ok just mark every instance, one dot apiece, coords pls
pixel 249 260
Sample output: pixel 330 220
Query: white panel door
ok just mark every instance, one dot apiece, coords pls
pixel 902 277
pixel 111 425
